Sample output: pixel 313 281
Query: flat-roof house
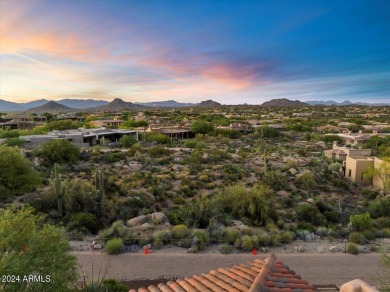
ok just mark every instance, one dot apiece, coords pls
pixel 79 137
pixel 106 123
pixel 356 167
pixel 17 125
pixel 341 153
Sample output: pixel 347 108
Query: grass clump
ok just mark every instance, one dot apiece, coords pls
pixel 114 246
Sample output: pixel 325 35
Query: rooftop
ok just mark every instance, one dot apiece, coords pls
pixel 265 275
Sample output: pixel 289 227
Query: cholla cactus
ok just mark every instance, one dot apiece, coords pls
pixel 58 189
pixel 98 196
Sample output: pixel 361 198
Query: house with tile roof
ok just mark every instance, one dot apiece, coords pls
pixel 260 275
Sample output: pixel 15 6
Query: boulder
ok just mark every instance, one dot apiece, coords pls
pixel 135 166
pixel 158 218
pixel 97 246
pixel 192 250
pixel 137 221
pixel 299 248
pixel 293 171
pixel 146 226
pixel 333 248
pixel 310 201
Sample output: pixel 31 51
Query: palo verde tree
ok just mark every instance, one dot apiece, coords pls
pixel 382 171
pixel 59 151
pixel 29 246
pixel 16 173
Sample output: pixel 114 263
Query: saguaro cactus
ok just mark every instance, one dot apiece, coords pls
pixel 265 162
pixel 98 196
pixel 58 189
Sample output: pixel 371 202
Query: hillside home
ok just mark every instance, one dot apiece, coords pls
pixel 17 125
pixel 356 167
pixel 338 153
pixel 106 123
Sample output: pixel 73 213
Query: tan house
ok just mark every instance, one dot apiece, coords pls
pixel 106 123
pixel 338 153
pixel 356 167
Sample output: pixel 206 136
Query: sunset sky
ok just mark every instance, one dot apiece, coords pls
pixel 229 51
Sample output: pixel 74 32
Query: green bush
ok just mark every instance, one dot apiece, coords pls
pixel 180 231
pixel 352 248
pixel 203 237
pixel 247 243
pixel 264 239
pixel 310 214
pixel 226 248
pixel 380 207
pixel 113 157
pixel 382 222
pixel 357 237
pixel 360 222
pixel 231 235
pixel 114 246
pixel 287 237
pixel 59 151
pixel 162 237
pixel 84 222
pixel 114 286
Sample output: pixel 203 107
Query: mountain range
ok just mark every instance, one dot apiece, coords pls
pixel 118 104
pixel 346 102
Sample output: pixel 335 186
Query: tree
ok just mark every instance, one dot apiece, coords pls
pixel 382 170
pixel 15 142
pixel 201 127
pixel 243 203
pixel 267 132
pixel 16 173
pixel 59 151
pixel 127 141
pixel 28 246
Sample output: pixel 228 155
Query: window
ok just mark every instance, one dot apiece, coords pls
pixel 349 172
pixel 362 176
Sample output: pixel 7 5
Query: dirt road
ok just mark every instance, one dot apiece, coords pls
pixel 316 268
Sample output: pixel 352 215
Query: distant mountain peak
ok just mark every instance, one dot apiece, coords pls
pixel 209 103
pixel 284 102
pixel 51 106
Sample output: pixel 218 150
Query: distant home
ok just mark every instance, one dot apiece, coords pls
pixel 79 137
pixel 338 153
pixel 106 123
pixel 356 167
pixel 243 128
pixel 17 125
pixel 170 131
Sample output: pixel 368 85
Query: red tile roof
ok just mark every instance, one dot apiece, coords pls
pixel 267 275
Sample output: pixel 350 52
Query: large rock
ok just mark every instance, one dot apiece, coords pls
pixel 333 248
pixel 135 166
pixel 293 171
pixel 158 218
pixel 137 221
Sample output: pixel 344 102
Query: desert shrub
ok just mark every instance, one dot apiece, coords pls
pixel 382 233
pixel 113 157
pixel 360 222
pixel 226 248
pixel 162 237
pixel 382 222
pixel 331 216
pixel 242 203
pixel 341 183
pixel 84 222
pixel 231 235
pixel 127 141
pixel 305 226
pixel 352 248
pixel 247 243
pixel 113 285
pixel 202 236
pixel 370 194
pixel 264 239
pixel 159 138
pixel 307 181
pixel 380 207
pixel 310 214
pixel 356 237
pixel 59 151
pixel 159 151
pixel 287 236
pixel 229 133
pixel 180 231
pixel 114 246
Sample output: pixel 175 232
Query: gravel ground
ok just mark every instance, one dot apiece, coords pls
pixel 317 268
